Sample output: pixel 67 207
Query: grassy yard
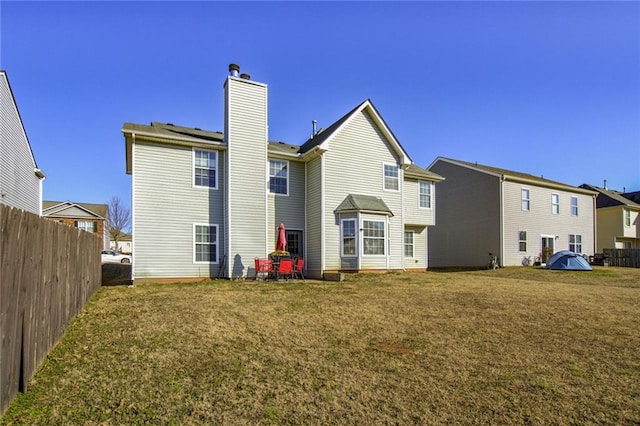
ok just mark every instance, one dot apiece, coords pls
pixel 517 345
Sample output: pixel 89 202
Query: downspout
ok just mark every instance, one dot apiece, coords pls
pixel 133 206
pixel 322 216
pixel 501 259
pixel 388 241
pixel 595 224
pixel 402 230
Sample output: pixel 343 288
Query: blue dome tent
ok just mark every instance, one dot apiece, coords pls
pixel 568 261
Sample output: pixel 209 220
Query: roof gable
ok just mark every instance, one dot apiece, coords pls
pixel 324 137
pixel 72 210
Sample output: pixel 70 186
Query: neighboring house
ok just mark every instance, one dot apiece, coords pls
pixel 88 217
pixel 124 244
pixel 515 216
pixel 617 219
pixel 20 177
pixel 206 204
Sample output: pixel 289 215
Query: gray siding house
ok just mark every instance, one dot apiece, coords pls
pixel 206 204
pixel 515 216
pixel 20 177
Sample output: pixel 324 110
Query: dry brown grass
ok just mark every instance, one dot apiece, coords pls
pixel 517 345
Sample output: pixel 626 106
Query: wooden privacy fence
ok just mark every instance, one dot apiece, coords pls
pixel 623 257
pixel 48 271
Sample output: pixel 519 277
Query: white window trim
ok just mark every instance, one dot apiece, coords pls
pixel 555 194
pixel 521 241
pixel 384 188
pixel 431 188
pixel 199 262
pixel 385 238
pixel 269 180
pixel 413 244
pixel 193 169
pixel 577 206
pixel 355 237
pixel 575 243
pixel 522 199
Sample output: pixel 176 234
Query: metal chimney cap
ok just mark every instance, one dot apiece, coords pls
pixel 245 76
pixel 234 69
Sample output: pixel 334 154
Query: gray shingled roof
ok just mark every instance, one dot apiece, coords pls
pixel 413 171
pixel 539 180
pixel 97 209
pixel 367 203
pixel 610 198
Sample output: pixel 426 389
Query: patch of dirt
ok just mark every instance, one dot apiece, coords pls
pixel 116 274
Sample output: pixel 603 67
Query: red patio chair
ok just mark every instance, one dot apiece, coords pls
pixel 285 268
pixel 263 267
pixel 297 268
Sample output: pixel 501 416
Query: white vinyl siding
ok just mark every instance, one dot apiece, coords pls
pixel 19 185
pixel 164 214
pixel 314 208
pixel 540 221
pixel 289 210
pixel 246 136
pixel 413 214
pixel 360 135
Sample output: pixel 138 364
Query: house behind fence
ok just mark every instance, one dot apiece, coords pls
pixel 48 271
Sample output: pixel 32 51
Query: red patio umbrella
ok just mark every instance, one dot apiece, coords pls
pixel 281 242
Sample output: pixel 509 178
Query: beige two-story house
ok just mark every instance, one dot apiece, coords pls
pixel 518 217
pixel 617 218
pixel 206 204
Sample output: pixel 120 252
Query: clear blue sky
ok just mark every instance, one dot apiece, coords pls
pixel 547 88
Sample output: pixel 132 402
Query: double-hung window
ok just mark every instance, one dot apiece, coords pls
pixel 574 206
pixel 555 204
pixel 391 177
pixel 279 177
pixel 373 239
pixel 87 225
pixel 349 237
pixel 522 241
pixel 575 243
pixel 205 243
pixel 526 201
pixel 627 217
pixel 205 166
pixel 425 194
pixel 408 244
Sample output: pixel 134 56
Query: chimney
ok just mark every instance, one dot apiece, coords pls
pixel 605 184
pixel 313 124
pixel 234 69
